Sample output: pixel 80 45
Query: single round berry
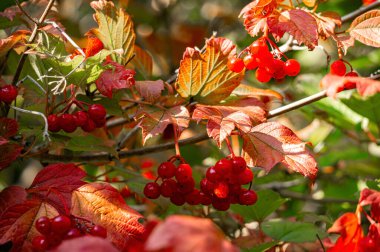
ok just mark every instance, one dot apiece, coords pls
pixel 186 186
pixel 259 47
pixel 236 65
pixel 126 192
pixel 73 233
pixel 53 123
pixel 177 199
pixel 262 75
pixel 40 243
pixel 97 112
pixel 60 224
pixel 168 187
pixel 81 117
pixel 221 205
pixel 221 190
pixel 98 231
pixel 152 190
pixel 183 173
pixel 212 175
pixel 193 198
pixel 205 199
pixel 250 62
pixel 89 126
pixel 265 61
pixel 350 84
pixel 247 197
pixel 8 93
pixel 238 165
pixel 166 170
pixel 43 225
pixel 338 68
pixel 245 177
pixel 223 167
pixel 292 67
pixel 207 186
pixel 67 123
pixel 279 69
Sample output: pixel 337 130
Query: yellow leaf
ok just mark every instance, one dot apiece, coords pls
pixel 8 43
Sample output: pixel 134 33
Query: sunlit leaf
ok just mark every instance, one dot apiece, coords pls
pixel 143 62
pixel 8 43
pixel 371 197
pixel 366 28
pixel 150 90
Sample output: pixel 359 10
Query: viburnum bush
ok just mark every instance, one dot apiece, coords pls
pixel 110 141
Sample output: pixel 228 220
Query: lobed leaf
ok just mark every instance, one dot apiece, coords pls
pixel 8 43
pixel 366 28
pixel 205 77
pixel 268 144
pixel 327 22
pixel 150 90
pixel 11 196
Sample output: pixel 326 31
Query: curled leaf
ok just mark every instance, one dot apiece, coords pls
pixel 366 28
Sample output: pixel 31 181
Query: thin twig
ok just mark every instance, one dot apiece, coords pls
pixel 351 16
pixel 25 13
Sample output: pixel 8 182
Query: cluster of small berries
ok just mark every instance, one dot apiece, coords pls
pixel 94 117
pixel 221 187
pixel 54 231
pixel 266 64
pixel 339 68
pixel 8 93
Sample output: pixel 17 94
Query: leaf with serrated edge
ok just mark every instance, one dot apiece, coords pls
pixel 270 143
pixel 103 205
pixel 8 43
pixel 150 90
pixel 17 223
pixel 154 121
pixel 327 21
pixel 366 28
pixel 206 77
pixel 115 29
pixel 222 119
pixel 298 23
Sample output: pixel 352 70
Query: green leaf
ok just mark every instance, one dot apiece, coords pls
pixel 89 143
pixel 6 23
pixel 367 107
pixel 288 231
pixel 268 201
pixel 263 247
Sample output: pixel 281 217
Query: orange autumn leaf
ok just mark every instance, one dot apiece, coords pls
pixel 8 43
pixel 366 28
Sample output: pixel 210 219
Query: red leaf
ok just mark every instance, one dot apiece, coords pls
pixel 154 121
pixel 55 184
pixel 103 205
pixel 327 21
pixel 114 79
pixel 298 23
pixel 86 243
pixel 11 196
pixel 271 143
pixel 349 228
pixel 222 120
pixel 371 197
pixel 188 234
pixel 344 42
pixel 9 152
pixel 335 84
pixel 17 223
pixel 150 90
pixel 8 127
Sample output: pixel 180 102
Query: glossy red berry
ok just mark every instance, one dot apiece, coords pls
pixel 187 186
pixel 338 68
pixel 177 199
pixel 262 75
pixel 247 197
pixel 238 165
pixel 89 126
pixel 292 67
pixel 207 186
pixel 250 62
pixel 236 65
pixel 223 166
pixel 67 123
pixel 221 190
pixel 53 123
pixel 60 224
pixel 168 187
pixel 212 175
pixel 279 69
pixel 245 177
pixel 81 117
pixel 183 173
pixel 259 47
pixel 43 225
pixel 73 233
pixel 205 199
pixel 194 197
pixel 221 205
pixel 100 123
pixel 166 170
pixel 97 112
pixel 98 231
pixel 351 84
pixel 40 243
pixel 152 190
pixel 8 93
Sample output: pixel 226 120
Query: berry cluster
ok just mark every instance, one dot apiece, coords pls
pixel 266 64
pixel 94 117
pixel 8 93
pixel 221 187
pixel 54 231
pixel 339 68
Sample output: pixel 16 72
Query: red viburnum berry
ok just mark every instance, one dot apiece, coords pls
pixel 279 69
pixel 194 197
pixel 245 177
pixel 205 199
pixel 152 190
pixel 238 165
pixel 43 225
pixel 53 123
pixel 186 186
pixel 262 75
pixel 221 205
pixel 292 67
pixel 221 190
pixel 207 186
pixel 259 47
pixel 40 243
pixel 350 85
pixel 223 166
pixel 183 173
pixel 81 118
pixel 247 197
pixel 8 93
pixel 212 175
pixel 97 112
pixel 99 231
pixel 166 170
pixel 73 233
pixel 60 224
pixel 89 126
pixel 177 199
pixel 168 187
pixel 338 68
pixel 250 62
pixel 235 65
pixel 67 123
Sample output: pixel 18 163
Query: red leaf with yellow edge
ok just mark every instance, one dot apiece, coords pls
pixel 371 197
pixel 103 205
pixel 155 120
pixel 298 23
pixel 8 127
pixel 188 234
pixel 205 77
pixel 270 143
pixel 8 43
pixel 17 223
pixel 55 183
pixel 11 196
pixel 222 120
pixel 350 231
pixel 9 152
pixel 366 28
pixel 86 243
